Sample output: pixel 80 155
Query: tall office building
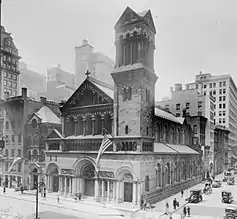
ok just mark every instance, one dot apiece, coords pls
pixel 9 74
pixel 224 90
pixel 99 65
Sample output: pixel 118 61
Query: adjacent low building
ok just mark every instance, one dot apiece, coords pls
pixel 199 108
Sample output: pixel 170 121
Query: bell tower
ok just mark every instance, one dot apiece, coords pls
pixel 134 76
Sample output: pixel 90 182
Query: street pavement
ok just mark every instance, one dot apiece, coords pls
pixel 211 207
pixel 24 204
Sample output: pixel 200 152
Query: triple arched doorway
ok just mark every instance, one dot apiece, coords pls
pixel 52 176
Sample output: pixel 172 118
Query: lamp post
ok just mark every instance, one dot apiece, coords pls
pixel 39 184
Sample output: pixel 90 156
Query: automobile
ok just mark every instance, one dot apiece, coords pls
pixel 227 175
pixel 226 197
pixel 230 212
pixel 195 196
pixel 216 183
pixel 208 188
pixel 231 181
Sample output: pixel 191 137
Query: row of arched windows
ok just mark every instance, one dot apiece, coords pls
pixel 171 135
pixel 34 140
pixel 36 156
pixel 88 126
pixel 169 174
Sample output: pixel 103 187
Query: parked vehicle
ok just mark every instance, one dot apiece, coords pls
pixel 231 181
pixel 227 175
pixel 216 183
pixel 195 196
pixel 227 197
pixel 230 212
pixel 208 188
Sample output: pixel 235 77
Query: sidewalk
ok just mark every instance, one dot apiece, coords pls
pixel 89 201
pixel 80 207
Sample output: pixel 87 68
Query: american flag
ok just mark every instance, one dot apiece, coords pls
pixel 104 145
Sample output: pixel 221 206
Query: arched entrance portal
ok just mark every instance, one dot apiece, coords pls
pixel 86 176
pixel 53 178
pixel 88 173
pixel 126 185
pixel 35 178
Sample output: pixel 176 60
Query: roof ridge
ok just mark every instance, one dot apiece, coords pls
pixel 92 79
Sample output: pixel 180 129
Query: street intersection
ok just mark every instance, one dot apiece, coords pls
pixel 24 204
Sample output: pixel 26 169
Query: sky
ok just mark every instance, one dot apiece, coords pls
pixel 192 35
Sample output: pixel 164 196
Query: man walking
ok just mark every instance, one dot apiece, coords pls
pixel 174 203
pixel 188 210
pixel 182 194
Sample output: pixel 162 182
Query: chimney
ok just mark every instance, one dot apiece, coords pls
pixel 43 100
pixel 178 87
pixel 24 92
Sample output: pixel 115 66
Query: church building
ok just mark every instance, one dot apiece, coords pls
pixel 152 152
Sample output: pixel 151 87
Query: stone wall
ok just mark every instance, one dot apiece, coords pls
pixel 162 193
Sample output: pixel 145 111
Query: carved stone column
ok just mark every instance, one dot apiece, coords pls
pixel 93 124
pixel 134 193
pixel 102 123
pixel 84 125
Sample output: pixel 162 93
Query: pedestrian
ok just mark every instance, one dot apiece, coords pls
pixel 144 204
pixel 4 190
pixel 174 203
pixel 185 211
pixel 166 208
pixel 44 193
pixel 79 196
pixel 22 189
pixel 188 210
pixel 58 199
pixel 182 194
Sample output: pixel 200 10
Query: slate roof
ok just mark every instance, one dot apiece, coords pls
pixel 173 149
pixel 47 115
pixel 162 148
pixel 165 115
pixel 182 149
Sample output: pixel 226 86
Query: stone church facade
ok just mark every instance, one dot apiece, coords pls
pixel 152 149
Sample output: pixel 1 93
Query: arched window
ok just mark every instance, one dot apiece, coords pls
pixel 172 135
pixel 79 126
pixel 147 131
pixel 34 123
pixel 72 124
pixel 168 173
pixel 98 126
pixel 29 140
pixel 147 184
pixel 126 129
pixel 108 123
pixel 88 126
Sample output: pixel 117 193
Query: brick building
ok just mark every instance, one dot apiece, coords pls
pixel 17 111
pixel 220 149
pixel 150 154
pixel 39 126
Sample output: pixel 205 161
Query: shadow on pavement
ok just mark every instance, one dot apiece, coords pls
pixel 50 215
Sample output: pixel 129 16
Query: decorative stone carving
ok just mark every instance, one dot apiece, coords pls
pixel 67 171
pixel 106 174
pixel 127 177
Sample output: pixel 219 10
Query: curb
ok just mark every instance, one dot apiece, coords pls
pixel 91 203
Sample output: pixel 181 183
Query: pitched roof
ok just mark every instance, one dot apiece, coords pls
pixel 105 88
pixel 165 115
pixel 47 115
pixel 182 149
